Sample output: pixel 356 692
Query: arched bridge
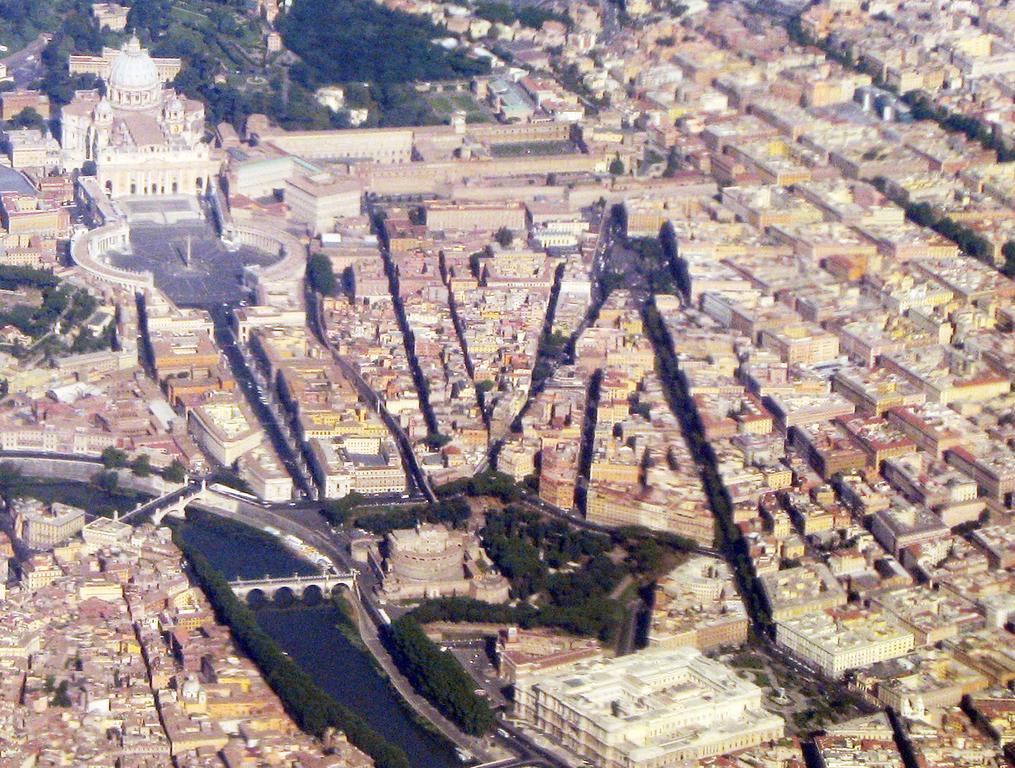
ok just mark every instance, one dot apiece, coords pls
pixel 297 584
pixel 175 502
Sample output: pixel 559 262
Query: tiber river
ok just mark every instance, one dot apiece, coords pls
pixel 309 636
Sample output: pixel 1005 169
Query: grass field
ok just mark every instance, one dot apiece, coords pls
pixel 444 104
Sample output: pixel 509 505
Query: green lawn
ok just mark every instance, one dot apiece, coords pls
pixel 746 660
pixel 533 148
pixel 444 104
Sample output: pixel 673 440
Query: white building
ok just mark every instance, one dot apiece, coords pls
pixel 839 639
pixel 265 474
pixel 331 96
pixel 144 139
pixel 320 200
pixel 31 148
pixel 225 428
pixel 653 708
pixel 347 464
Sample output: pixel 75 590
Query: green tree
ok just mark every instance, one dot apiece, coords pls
pixel 435 441
pixel 617 167
pixel 106 481
pixel 438 677
pixel 378 45
pixel 12 481
pixel 29 118
pixel 113 458
pixel 61 698
pixel 150 15
pixel 1008 251
pixel 321 275
pixel 611 280
pixel 141 466
pixel 504 237
pixel 341 511
pixel 175 472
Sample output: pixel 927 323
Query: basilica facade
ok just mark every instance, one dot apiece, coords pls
pixel 143 138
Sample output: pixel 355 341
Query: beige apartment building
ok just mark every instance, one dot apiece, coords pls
pixel 798 591
pixel 265 474
pixel 993 471
pixel 42 526
pixel 13 103
pixel 680 509
pixel 110 16
pixel 475 216
pixel 348 464
pixel 381 145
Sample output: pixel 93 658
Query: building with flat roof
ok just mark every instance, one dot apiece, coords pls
pixel 902 525
pixel 866 742
pixel 442 215
pixel 931 615
pixel 321 199
pixel 998 543
pixel 13 103
pixel 380 145
pixel 653 708
pixel 247 319
pixel 522 652
pixel 798 591
pixel 348 464
pixel 225 427
pixel 838 639
pixel 31 148
pixel 989 651
pixel 265 474
pixel 104 532
pixel 697 604
pixel 927 678
pixel 993 469
pixel 110 16
pixel 44 526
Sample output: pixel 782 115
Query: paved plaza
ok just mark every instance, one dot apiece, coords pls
pixel 189 262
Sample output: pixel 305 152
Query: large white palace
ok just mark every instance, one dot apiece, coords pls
pixel 143 138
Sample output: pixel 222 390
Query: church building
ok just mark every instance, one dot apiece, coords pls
pixel 143 138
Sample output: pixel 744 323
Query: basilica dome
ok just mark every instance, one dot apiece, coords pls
pixel 133 77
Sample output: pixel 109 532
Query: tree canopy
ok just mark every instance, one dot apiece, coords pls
pixel 321 274
pixel 361 41
pixel 438 677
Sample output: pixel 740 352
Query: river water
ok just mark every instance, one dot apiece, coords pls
pixel 310 637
